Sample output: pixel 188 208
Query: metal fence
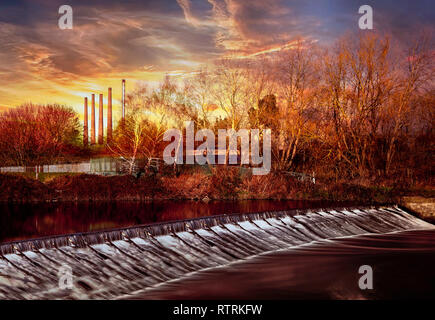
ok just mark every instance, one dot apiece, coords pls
pixel 83 167
pixel 94 166
pixel 112 166
pixel 13 169
pixel 102 166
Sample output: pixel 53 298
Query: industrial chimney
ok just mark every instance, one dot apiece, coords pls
pixel 85 124
pixel 93 120
pixel 100 122
pixel 109 116
pixel 123 98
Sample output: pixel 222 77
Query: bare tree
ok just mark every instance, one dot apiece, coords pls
pixel 198 98
pixel 415 75
pixel 297 77
pixel 231 91
pixel 140 135
pixel 359 82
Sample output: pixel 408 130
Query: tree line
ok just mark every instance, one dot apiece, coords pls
pixel 361 107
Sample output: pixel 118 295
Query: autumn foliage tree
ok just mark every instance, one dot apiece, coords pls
pixel 361 108
pixel 369 89
pixel 37 134
pixel 139 136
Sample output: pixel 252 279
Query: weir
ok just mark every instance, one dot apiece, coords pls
pixel 113 263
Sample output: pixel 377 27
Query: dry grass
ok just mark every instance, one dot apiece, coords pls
pixel 221 184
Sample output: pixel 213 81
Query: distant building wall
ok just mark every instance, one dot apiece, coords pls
pixel 13 169
pixel 83 167
pixel 103 165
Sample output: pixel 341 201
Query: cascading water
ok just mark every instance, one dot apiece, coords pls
pixel 119 262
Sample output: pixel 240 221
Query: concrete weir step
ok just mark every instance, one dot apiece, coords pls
pixel 113 263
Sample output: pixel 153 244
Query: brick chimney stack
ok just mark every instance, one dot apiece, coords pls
pixel 93 120
pixel 100 122
pixel 85 124
pixel 123 98
pixel 109 116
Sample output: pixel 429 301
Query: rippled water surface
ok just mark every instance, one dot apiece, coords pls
pixel 403 268
pixel 38 220
pixel 295 254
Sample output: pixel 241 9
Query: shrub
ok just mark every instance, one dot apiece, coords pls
pixel 94 187
pixel 18 188
pixel 226 182
pixel 187 186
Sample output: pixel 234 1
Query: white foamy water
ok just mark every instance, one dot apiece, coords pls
pixel 116 263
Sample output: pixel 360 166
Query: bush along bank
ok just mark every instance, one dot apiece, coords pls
pixel 219 184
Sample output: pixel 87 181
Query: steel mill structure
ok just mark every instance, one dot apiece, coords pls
pixel 93 138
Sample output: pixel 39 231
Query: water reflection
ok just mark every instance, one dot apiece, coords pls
pixel 24 221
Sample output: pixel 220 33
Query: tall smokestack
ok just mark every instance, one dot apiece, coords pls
pixel 100 122
pixel 85 124
pixel 109 116
pixel 123 98
pixel 93 120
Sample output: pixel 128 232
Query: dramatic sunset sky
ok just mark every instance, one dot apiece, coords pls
pixel 145 39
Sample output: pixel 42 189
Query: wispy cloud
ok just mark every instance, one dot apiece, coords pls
pixel 186 6
pixel 144 40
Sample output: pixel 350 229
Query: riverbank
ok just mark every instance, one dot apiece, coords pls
pixel 222 184
pixel 423 207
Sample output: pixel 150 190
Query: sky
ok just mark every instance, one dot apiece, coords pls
pixel 144 40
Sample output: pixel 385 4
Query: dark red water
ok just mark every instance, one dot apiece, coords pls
pixel 27 221
pixel 403 268
pixel 403 263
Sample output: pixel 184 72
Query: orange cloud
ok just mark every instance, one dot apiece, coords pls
pixel 186 6
pixel 146 40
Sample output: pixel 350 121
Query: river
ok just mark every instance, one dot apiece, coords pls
pixel 278 253
pixel 34 220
